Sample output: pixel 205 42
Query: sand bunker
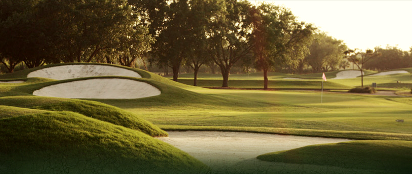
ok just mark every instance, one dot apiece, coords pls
pixel 390 73
pixel 347 74
pixel 79 71
pixel 100 89
pixel 224 149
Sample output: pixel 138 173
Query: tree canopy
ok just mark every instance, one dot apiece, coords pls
pixel 50 31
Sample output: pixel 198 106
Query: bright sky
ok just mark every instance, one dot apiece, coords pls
pixel 360 24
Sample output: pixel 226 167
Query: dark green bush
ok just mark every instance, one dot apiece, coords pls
pixel 368 89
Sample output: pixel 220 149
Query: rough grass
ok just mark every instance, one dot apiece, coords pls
pixel 384 156
pixel 68 142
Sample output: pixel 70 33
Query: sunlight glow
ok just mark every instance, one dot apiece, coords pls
pixel 360 24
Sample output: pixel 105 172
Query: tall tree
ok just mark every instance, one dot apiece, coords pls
pixel 229 35
pixel 325 53
pixel 359 58
pixel 200 13
pixel 169 23
pixel 278 37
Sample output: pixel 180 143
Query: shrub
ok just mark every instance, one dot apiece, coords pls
pixel 368 89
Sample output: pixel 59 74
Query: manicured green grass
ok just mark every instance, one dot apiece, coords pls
pixel 68 142
pixel 183 107
pixel 274 84
pixel 286 112
pixel 375 156
pixel 305 81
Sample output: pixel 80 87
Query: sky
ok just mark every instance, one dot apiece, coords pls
pixel 360 24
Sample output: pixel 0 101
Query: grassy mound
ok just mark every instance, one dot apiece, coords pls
pixel 389 156
pixel 68 142
pixel 90 109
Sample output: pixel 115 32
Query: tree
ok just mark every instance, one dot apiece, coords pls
pixel 50 31
pixel 198 55
pixel 278 38
pixel 344 64
pixel 172 32
pixel 17 32
pixel 390 58
pixel 229 35
pixel 325 53
pixel 360 58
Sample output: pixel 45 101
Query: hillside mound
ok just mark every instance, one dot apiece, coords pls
pixel 68 142
pixel 382 156
pixel 63 72
pixel 90 109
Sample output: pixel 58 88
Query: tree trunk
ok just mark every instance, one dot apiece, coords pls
pixel 108 60
pixel 265 78
pixel 11 66
pixel 144 64
pixel 361 72
pixel 79 56
pixel 175 73
pixel 93 54
pixel 196 71
pixel 225 75
pixel 165 71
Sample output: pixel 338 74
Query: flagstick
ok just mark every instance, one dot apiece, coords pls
pixel 321 94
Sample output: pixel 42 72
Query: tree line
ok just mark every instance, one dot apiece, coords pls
pixel 167 34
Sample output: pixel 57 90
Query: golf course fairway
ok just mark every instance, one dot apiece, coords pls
pixel 35 127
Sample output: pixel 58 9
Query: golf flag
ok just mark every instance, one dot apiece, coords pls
pixel 324 77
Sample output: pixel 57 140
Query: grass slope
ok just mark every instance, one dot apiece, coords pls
pixel 90 109
pixel 68 142
pixel 383 156
pixel 55 135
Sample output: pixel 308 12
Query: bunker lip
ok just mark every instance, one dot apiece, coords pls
pixel 79 71
pixel 106 88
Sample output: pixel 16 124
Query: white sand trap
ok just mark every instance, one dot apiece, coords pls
pixel 348 74
pixel 390 73
pixel 78 71
pixel 100 89
pixel 221 150
pixel 18 81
